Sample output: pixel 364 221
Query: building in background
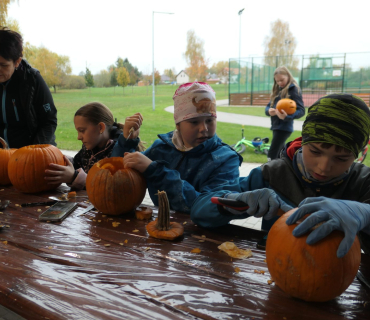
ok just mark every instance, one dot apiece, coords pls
pixel 182 78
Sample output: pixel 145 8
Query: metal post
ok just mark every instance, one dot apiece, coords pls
pixel 344 71
pixel 153 93
pixel 153 80
pixel 240 38
pixel 229 82
pixel 252 82
pixel 302 73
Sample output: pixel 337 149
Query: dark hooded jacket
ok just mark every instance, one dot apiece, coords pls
pixel 28 114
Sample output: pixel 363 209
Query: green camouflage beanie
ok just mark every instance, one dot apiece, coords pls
pixel 339 119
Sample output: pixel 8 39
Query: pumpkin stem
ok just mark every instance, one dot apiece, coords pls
pixel 3 143
pixel 163 221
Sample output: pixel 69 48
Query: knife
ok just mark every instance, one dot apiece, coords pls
pixel 85 210
pixel 131 131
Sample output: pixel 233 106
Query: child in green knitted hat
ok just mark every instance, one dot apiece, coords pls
pixel 316 172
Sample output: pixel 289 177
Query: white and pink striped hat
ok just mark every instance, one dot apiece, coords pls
pixel 194 99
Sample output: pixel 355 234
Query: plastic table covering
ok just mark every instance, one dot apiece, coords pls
pixel 86 268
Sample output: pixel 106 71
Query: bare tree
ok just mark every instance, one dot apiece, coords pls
pixel 280 46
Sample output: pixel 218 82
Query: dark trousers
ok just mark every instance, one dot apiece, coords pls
pixel 278 142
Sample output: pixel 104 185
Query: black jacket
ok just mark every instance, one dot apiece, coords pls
pixel 28 114
pixel 287 123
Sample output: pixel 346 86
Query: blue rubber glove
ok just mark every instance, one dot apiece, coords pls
pixel 345 215
pixel 262 203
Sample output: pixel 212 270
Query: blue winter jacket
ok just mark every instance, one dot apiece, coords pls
pixel 184 175
pixel 287 123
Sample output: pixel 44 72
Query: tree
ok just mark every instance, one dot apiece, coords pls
pixel 135 74
pixel 123 78
pixel 52 67
pixel 280 46
pixel 74 82
pixel 171 73
pixel 194 55
pixel 102 79
pixel 113 75
pixel 221 69
pixel 4 4
pixel 89 78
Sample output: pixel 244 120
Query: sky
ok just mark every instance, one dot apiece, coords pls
pixel 95 33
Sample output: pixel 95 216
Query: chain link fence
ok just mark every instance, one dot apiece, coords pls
pixel 251 79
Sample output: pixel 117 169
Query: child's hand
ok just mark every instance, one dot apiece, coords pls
pixel 60 174
pixel 135 122
pixel 281 115
pixel 272 112
pixel 137 161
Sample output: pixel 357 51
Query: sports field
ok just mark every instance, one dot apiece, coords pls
pixel 126 102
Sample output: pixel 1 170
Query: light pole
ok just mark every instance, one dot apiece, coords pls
pixel 287 43
pixel 153 84
pixel 240 38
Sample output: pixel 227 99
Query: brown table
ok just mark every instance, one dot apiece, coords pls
pixel 84 268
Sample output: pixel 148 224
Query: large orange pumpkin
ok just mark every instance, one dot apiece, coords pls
pixel 112 189
pixel 309 272
pixel 26 167
pixel 288 105
pixel 5 154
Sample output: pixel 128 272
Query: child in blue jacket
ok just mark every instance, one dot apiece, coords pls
pixel 316 173
pixel 281 123
pixel 187 161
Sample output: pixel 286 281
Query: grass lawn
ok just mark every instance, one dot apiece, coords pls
pixel 139 99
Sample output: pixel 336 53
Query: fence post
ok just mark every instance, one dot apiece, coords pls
pixel 229 82
pixel 301 82
pixel 252 82
pixel 344 71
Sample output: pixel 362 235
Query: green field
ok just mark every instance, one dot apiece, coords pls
pixel 139 99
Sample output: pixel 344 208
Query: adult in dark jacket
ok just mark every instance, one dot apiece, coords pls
pixel 281 123
pixel 28 114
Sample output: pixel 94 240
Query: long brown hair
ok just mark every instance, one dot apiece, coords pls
pixel 284 91
pixel 96 112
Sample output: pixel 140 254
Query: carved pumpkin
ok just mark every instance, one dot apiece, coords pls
pixel 27 165
pixel 309 272
pixel 113 189
pixel 288 105
pixel 5 154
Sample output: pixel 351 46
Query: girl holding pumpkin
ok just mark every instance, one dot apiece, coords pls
pixel 187 161
pixel 98 132
pixel 316 172
pixel 281 123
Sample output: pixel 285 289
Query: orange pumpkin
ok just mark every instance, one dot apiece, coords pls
pixel 5 154
pixel 27 165
pixel 288 105
pixel 309 272
pixel 113 189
